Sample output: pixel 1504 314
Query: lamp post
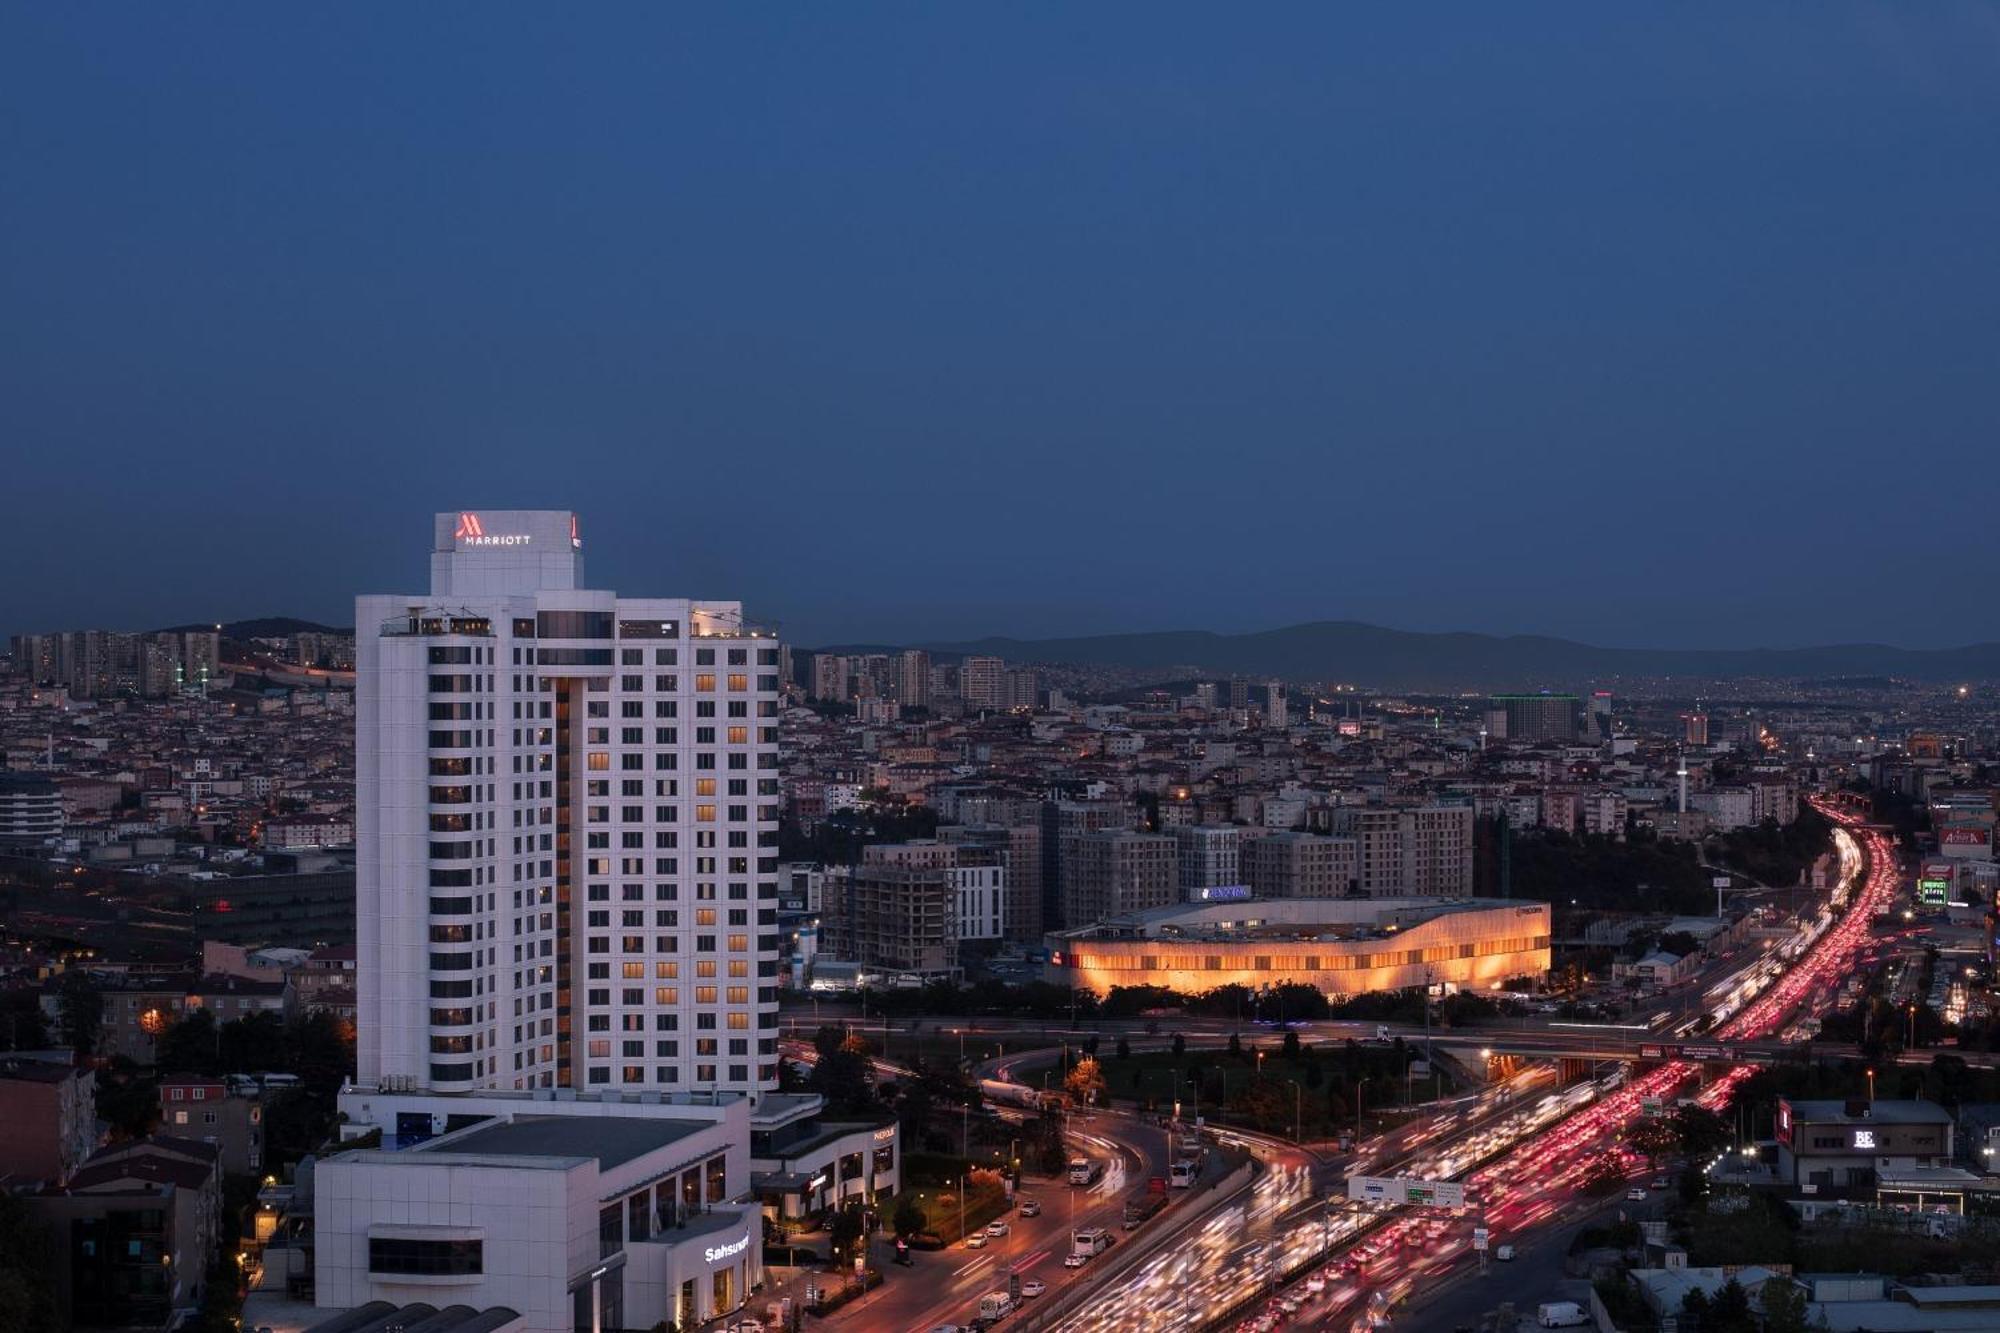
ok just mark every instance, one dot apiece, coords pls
pixel 1871 1087
pixel 1358 1085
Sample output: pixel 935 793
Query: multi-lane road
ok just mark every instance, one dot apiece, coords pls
pixel 1536 1183
pixel 1523 1152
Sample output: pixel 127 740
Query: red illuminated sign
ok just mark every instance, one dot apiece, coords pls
pixel 471 531
pixel 1965 837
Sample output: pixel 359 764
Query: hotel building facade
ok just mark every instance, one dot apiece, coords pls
pixel 567 811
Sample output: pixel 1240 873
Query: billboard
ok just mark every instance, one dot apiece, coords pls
pixel 1965 835
pixel 1933 892
pixel 1398 1189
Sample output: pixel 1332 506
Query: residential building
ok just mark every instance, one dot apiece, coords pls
pixel 1116 872
pixel 135 1229
pixel 213 1110
pixel 1422 850
pixel 1300 865
pixel 1530 718
pixel 1207 857
pixel 1021 845
pixel 1064 823
pixel 49 1115
pixel 31 810
pixel 982 682
pixel 913 678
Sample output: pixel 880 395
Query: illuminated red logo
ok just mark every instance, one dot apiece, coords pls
pixel 469 526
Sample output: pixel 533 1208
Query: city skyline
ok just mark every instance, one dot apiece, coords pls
pixel 1127 324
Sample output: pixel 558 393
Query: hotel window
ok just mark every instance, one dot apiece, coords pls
pixel 705 681
pixel 597 762
pixel 704 995
pixel 705 814
pixel 704 967
pixel 738 681
pixel 667 995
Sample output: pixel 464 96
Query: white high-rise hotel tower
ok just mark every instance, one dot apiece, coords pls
pixel 567 812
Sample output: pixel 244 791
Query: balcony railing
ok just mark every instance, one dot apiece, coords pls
pixel 429 625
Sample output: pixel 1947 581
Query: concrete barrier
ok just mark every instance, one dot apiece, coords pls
pixel 1128 1254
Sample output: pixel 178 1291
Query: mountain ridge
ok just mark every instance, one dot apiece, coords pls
pixel 1354 651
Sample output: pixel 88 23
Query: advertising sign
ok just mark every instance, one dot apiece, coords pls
pixel 1423 1193
pixel 1965 836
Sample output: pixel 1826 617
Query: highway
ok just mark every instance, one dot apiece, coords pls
pixel 1523 1161
pixel 943 1287
pixel 1540 1181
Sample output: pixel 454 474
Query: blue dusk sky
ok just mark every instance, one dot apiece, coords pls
pixel 1641 324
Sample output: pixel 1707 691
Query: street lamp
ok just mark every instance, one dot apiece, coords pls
pixel 1871 1086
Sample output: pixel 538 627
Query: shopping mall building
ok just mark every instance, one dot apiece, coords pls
pixel 1341 946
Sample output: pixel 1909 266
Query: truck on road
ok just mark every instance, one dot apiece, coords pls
pixel 1560 1314
pixel 1085 1171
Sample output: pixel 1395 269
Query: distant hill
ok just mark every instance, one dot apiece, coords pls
pixel 263 627
pixel 1345 650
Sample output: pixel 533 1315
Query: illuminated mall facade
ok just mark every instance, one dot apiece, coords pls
pixel 1341 946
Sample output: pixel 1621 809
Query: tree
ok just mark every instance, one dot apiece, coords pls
pixel 909 1218
pixel 22 1024
pixel 841 1073
pixel 1124 1049
pixel 1702 1132
pixel 191 1046
pixel 1085 1082
pixel 1784 1305
pixel 844 1230
pixel 1180 1045
pixel 1729 1312
pixel 79 1012
pixel 254 1044
pixel 1235 1047
pixel 27 1271
pixel 1291 1044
